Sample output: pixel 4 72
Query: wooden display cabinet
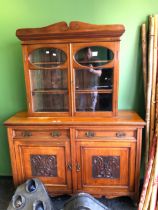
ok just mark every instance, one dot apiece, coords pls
pixel 73 137
pixel 71 70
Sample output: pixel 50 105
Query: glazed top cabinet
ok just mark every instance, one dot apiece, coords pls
pixel 71 70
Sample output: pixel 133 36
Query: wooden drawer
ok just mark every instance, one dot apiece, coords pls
pixel 52 133
pixel 98 134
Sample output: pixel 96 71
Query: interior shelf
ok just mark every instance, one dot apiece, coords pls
pixel 51 91
pixel 93 91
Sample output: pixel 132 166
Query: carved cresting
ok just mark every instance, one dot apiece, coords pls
pixel 106 167
pixel 44 165
pixel 74 29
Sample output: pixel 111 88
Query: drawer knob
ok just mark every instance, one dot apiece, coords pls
pixel 89 134
pixel 26 134
pixel 56 134
pixel 120 134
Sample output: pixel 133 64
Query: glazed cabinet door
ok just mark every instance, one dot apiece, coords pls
pixel 43 154
pixel 47 79
pixel 95 69
pixel 106 167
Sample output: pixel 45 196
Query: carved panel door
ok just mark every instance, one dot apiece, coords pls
pixel 48 161
pixel 105 167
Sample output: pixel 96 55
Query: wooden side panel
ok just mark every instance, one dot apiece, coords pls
pixel 15 172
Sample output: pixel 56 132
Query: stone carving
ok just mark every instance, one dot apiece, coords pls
pixel 31 195
pixel 83 201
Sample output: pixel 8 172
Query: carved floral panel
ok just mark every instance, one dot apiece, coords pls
pixel 44 165
pixel 106 167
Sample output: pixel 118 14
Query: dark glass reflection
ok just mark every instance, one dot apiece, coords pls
pixel 49 79
pixel 47 102
pixel 99 56
pixel 93 84
pixel 104 102
pixel 93 101
pixel 94 91
pixel 47 57
pixel 87 79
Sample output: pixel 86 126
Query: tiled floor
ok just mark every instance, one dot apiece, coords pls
pixel 7 190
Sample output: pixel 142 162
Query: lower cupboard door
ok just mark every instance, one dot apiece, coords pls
pixel 106 170
pixel 51 164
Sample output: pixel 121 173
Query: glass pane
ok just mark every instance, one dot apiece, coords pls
pixel 44 102
pixel 94 55
pixel 105 102
pixel 48 79
pixel 93 79
pixel 106 79
pixel 93 101
pixel 47 57
pixel 49 90
pixel 93 89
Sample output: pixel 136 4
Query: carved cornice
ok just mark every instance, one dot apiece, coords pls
pixel 75 29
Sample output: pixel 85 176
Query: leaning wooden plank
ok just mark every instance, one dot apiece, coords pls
pixel 154 73
pixel 155 175
pixel 147 174
pixel 144 57
pixel 149 86
pixel 155 185
pixel 149 190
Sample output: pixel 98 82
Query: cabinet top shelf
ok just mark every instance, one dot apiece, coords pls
pixel 45 63
pixel 55 91
pixel 93 91
pixel 73 30
pixel 123 118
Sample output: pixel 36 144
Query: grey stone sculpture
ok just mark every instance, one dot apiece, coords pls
pixel 31 196
pixel 84 201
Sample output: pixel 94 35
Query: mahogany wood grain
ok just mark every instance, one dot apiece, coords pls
pixel 98 152
pixel 76 144
pixel 75 29
pixel 124 117
pixel 69 39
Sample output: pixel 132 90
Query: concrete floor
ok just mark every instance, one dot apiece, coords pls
pixel 7 191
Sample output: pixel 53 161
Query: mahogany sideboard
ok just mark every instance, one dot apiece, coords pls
pixel 99 155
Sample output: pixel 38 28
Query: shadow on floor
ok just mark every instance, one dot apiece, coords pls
pixel 7 191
